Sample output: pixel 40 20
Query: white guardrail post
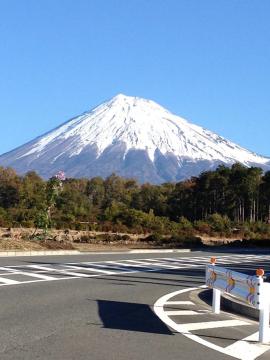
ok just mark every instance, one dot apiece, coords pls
pixel 263 304
pixel 216 293
pixel 250 289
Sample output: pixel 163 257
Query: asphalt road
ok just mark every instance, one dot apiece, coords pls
pixel 101 306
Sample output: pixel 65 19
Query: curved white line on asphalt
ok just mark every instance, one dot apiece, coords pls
pixel 246 354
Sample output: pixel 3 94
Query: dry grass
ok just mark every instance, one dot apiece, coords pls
pixel 31 239
pixel 15 244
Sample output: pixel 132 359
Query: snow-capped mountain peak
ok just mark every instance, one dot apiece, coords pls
pixel 129 125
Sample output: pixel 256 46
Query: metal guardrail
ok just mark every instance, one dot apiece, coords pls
pixel 250 289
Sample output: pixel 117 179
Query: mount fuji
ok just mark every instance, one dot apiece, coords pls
pixel 132 137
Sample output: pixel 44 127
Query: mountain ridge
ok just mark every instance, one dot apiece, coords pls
pixel 133 137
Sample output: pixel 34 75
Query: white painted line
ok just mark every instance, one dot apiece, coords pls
pixel 77 274
pixel 35 275
pixel 249 346
pixel 41 267
pixel 179 303
pixel 15 267
pixel 7 269
pixel 158 308
pixel 154 262
pixel 37 281
pixel 113 265
pixel 136 264
pixel 8 281
pixel 184 263
pixel 233 261
pixel 89 269
pixel 177 260
pixel 159 251
pixel 61 271
pixel 243 353
pixel 139 262
pixel 182 260
pixel 181 312
pixel 214 324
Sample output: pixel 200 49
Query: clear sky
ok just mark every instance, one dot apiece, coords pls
pixel 205 60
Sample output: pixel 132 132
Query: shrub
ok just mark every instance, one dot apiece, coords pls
pixel 202 227
pixel 185 241
pixel 219 223
pixel 185 224
pixel 155 238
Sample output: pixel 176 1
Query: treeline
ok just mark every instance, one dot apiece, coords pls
pixel 224 201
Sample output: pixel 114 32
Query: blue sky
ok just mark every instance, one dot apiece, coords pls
pixel 205 60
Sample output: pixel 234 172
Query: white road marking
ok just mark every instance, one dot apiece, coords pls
pixel 249 345
pixel 8 281
pixel 242 352
pixel 183 263
pixel 35 275
pixel 156 262
pixel 181 312
pixel 140 263
pixel 110 266
pixel 43 271
pixel 41 267
pixel 123 269
pixel 76 274
pixel 37 281
pixel 136 264
pixel 214 324
pixel 89 269
pixel 7 269
pixel 179 303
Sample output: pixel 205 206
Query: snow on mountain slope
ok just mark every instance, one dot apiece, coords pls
pixel 122 126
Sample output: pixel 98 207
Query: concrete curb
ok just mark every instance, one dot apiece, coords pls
pixel 14 253
pixel 229 303
pixel 137 251
pixel 233 305
pixel 161 251
pixel 38 253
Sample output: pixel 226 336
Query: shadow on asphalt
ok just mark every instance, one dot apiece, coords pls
pixel 144 278
pixel 130 317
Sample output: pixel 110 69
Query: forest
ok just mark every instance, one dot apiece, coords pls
pixel 223 202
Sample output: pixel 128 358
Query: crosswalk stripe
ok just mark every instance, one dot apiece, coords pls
pixel 43 271
pixel 75 274
pixel 8 281
pixel 154 262
pixel 7 269
pixel 89 269
pixel 111 266
pixel 185 262
pixel 134 263
pixel 138 262
pixel 213 324
pixel 181 312
pixel 179 303
pixel 125 266
pixel 41 267
pixel 35 275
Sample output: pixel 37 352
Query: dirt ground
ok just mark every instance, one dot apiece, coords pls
pixel 33 239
